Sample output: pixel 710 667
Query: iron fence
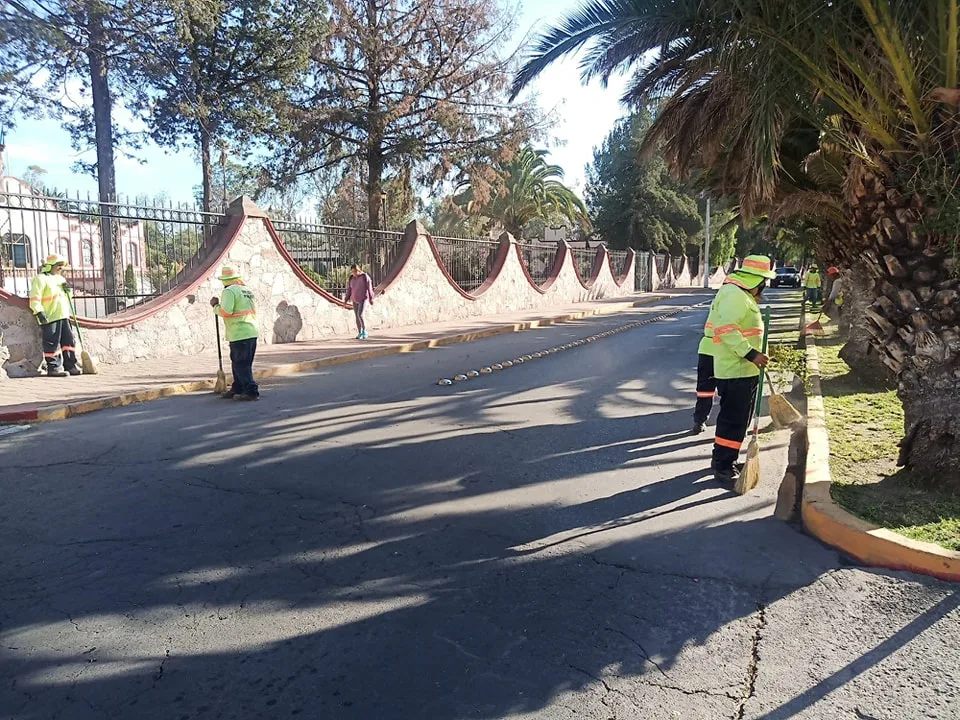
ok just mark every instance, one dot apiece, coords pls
pixel 584 258
pixel 540 259
pixel 469 262
pixel 326 252
pixel 677 263
pixel 663 261
pixel 619 262
pixel 643 282
pixel 151 249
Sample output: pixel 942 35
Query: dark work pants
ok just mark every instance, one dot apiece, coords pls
pixel 706 388
pixel 737 400
pixel 241 362
pixel 813 295
pixel 358 308
pixel 57 336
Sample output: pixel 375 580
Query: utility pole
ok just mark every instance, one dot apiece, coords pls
pixel 706 248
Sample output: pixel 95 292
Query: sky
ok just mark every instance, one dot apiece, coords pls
pixel 585 115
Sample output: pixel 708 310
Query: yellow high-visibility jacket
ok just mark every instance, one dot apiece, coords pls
pixel 737 333
pixel 706 343
pixel 813 280
pixel 48 296
pixel 238 309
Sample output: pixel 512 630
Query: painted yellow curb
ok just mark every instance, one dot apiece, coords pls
pixel 826 520
pixel 67 410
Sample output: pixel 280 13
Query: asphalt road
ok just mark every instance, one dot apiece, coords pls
pixel 544 542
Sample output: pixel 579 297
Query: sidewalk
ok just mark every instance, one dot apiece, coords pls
pixel 42 398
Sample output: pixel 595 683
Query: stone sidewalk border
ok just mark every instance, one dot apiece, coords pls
pixel 825 519
pixel 67 410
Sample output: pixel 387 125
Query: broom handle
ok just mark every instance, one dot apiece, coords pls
pixel 216 320
pixel 73 315
pixel 766 336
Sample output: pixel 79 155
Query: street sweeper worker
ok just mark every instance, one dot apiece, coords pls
pixel 706 381
pixel 835 297
pixel 50 304
pixel 737 340
pixel 813 285
pixel 238 309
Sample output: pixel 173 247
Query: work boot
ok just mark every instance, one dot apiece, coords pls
pixel 228 395
pixel 698 427
pixel 56 372
pixel 246 397
pixel 727 474
pixel 75 371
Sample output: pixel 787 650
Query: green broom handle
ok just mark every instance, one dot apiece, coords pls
pixel 76 322
pixel 766 336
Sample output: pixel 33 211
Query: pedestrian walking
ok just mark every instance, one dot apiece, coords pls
pixel 359 294
pixel 238 309
pixel 813 284
pixel 50 304
pixel 737 359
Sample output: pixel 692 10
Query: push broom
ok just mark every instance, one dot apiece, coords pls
pixel 750 475
pixel 220 386
pixel 87 364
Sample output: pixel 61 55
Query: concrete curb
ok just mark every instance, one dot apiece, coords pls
pixel 67 410
pixel 826 520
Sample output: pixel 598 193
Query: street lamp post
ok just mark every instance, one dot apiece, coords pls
pixel 706 249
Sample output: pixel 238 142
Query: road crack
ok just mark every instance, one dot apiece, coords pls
pixel 753 666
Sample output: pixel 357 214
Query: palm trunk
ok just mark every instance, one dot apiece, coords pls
pixel 912 320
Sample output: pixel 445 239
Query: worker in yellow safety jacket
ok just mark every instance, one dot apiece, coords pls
pixel 814 283
pixel 238 308
pixel 737 359
pixel 50 304
pixel 836 291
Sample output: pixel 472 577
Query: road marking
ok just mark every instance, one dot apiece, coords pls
pixel 523 359
pixel 13 429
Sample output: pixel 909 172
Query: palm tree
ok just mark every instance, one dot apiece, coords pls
pixel 525 188
pixel 875 82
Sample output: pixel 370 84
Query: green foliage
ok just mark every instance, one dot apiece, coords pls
pixel 130 281
pixel 526 188
pixel 787 362
pixel 312 274
pixel 634 202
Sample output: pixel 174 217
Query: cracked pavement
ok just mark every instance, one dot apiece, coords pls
pixel 541 543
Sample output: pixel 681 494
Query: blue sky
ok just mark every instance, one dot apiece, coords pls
pixel 585 115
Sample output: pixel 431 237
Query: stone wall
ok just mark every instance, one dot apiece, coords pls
pixel 290 307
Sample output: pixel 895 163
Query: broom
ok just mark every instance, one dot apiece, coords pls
pixel 749 477
pixel 815 328
pixel 782 412
pixel 87 364
pixel 220 386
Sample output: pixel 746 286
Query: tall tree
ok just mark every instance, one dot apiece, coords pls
pixel 877 82
pixel 527 187
pixel 413 83
pixel 633 200
pixel 218 71
pixel 47 47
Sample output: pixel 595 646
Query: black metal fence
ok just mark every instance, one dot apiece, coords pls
pixel 154 247
pixel 619 262
pixel 540 259
pixel 469 262
pixel 643 282
pixel 326 252
pixel 662 262
pixel 584 258
pixel 677 263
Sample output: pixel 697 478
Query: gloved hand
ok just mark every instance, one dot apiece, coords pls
pixel 41 318
pixel 214 301
pixel 67 289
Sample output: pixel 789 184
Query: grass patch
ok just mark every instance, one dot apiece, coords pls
pixel 865 422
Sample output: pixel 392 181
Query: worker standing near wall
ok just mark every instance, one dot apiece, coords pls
pixel 50 304
pixel 238 309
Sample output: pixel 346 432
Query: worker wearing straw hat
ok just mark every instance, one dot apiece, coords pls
pixel 737 359
pixel 238 309
pixel 50 304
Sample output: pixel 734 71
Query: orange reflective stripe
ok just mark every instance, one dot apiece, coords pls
pixel 51 355
pixel 752 332
pixel 68 348
pixel 723 442
pixel 756 264
pixel 733 281
pixel 705 394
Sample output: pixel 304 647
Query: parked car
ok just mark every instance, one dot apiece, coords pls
pixel 786 277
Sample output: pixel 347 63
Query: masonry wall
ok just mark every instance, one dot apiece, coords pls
pixel 290 307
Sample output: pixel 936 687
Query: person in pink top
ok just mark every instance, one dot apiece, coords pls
pixel 359 294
